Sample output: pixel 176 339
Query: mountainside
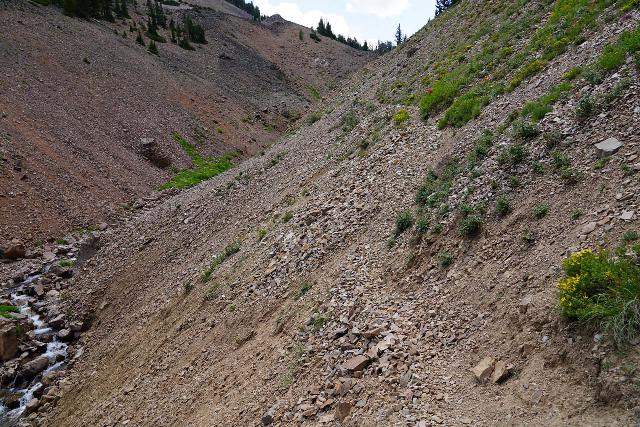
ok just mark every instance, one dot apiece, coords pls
pixel 88 114
pixel 395 262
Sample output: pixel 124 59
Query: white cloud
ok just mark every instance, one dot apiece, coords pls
pixel 292 12
pixel 380 8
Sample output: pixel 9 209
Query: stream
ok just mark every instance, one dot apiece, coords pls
pixel 56 353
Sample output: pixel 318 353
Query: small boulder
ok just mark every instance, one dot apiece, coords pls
pixel 34 367
pixel 483 370
pixel 501 372
pixel 8 341
pixel 32 406
pixel 608 147
pixel 343 409
pixel 14 250
pixel 356 363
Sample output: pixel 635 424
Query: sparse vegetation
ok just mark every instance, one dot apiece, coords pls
pixel 404 221
pixel 261 234
pixel 400 117
pixel 304 288
pixel 541 210
pixel 313 117
pixel 445 259
pixel 503 206
pixel 287 217
pixel 349 121
pixel 630 236
pixel 524 129
pixel 226 253
pixel 576 214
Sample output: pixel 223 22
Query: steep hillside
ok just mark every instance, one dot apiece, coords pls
pixel 395 262
pixel 88 114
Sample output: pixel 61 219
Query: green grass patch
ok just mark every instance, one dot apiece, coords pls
pixel 611 58
pixel 465 108
pixel 66 263
pixel 528 70
pixel 7 310
pixel 203 169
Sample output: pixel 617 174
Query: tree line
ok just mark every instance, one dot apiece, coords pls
pixel 248 7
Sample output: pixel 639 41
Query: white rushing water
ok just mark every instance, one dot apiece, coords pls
pixel 56 353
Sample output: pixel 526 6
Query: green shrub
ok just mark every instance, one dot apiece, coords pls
pixel 66 263
pixel 349 121
pixel 541 211
pixel 560 160
pixel 404 221
pixel 552 138
pixel 503 206
pixel 445 259
pixel 630 40
pixel 576 214
pixel 470 225
pixel 437 229
pixel 435 190
pixel 304 288
pixel 601 163
pixel 585 107
pixel 597 287
pixel 537 168
pixel 442 94
pixel 313 117
pixel 287 217
pixel 593 76
pixel 422 225
pixel 524 129
pixel 512 154
pixel 630 236
pixel 313 36
pixel 573 73
pixel 528 236
pixel 400 117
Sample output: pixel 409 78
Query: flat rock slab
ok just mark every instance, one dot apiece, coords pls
pixel 608 147
pixel 356 363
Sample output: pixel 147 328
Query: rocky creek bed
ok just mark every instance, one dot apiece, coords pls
pixel 37 336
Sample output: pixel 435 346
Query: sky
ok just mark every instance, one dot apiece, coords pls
pixel 370 20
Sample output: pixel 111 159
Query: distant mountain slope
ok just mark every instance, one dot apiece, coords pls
pixel 88 115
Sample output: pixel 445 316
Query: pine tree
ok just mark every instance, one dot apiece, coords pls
pixel 442 5
pixel 365 46
pixel 124 10
pixel 153 48
pixel 140 39
pixel 399 36
pixel 321 28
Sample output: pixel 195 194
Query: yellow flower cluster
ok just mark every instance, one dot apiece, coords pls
pixel 569 293
pixel 575 259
